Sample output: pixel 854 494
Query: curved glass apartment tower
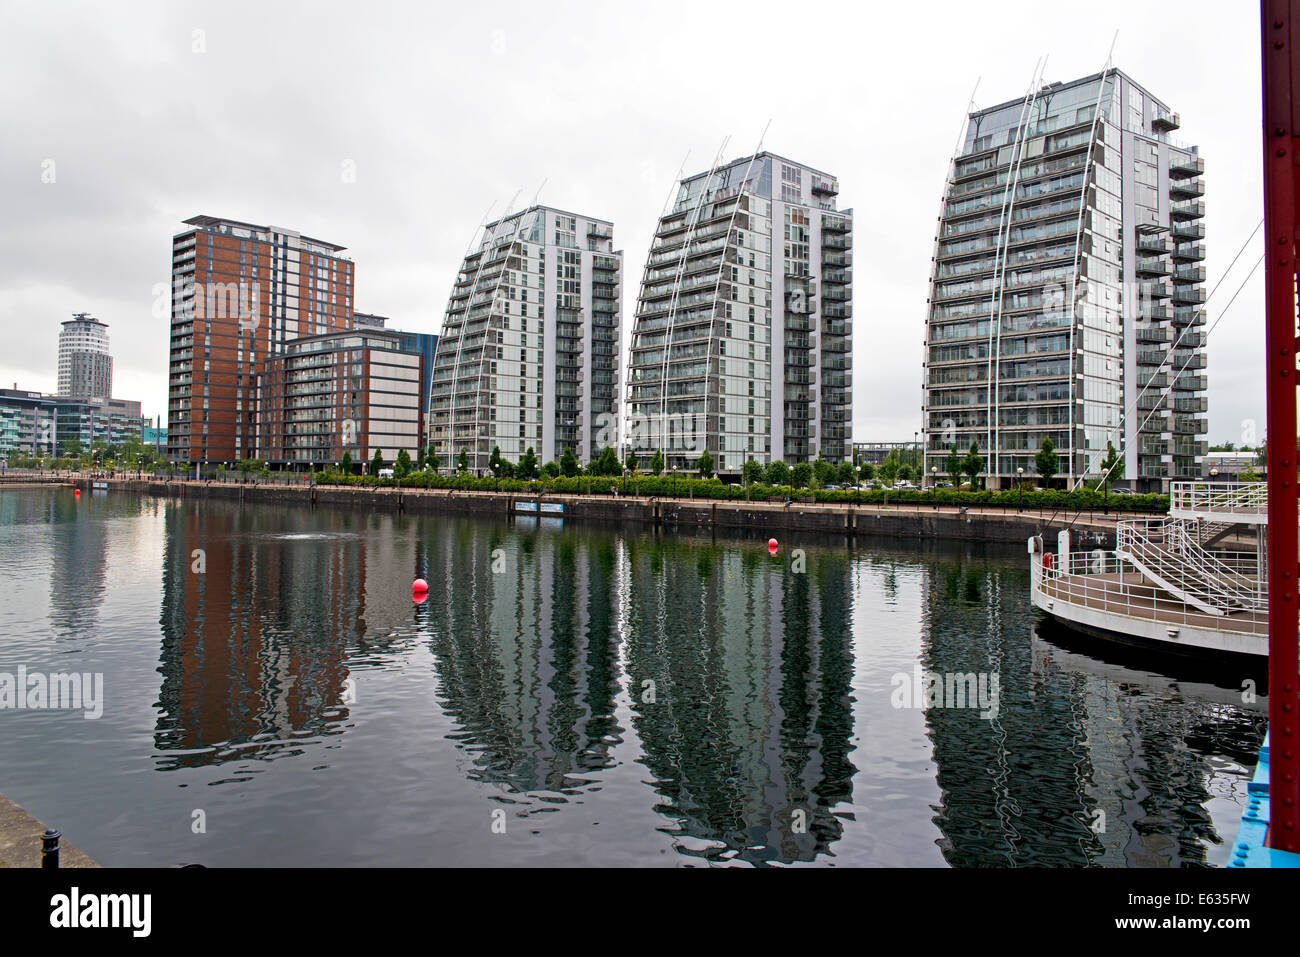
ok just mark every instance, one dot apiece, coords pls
pixel 742 341
pixel 1067 288
pixel 528 356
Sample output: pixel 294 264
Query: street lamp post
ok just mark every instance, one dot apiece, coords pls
pixel 934 486
pixel 1020 484
pixel 857 482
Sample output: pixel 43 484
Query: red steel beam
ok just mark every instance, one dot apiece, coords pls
pixel 1280 30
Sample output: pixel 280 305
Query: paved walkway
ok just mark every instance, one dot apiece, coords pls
pixel 20 840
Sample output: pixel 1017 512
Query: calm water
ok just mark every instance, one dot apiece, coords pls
pixel 603 696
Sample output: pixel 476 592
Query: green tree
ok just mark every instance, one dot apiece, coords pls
pixel 1046 463
pixel 462 462
pixel 402 467
pixel 657 463
pixel 377 462
pixel 527 465
pixel 889 468
pixel 868 472
pixel 821 470
pixel 778 473
pixel 751 472
pixel 704 464
pixel 630 463
pixel 905 472
pixel 801 475
pixel 973 463
pixel 432 461
pixel 550 470
pixel 1112 467
pixel 953 465
pixel 71 446
pixel 568 464
pixel 347 463
pixel 606 463
pixel 494 461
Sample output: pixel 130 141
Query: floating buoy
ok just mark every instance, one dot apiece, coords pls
pixel 76 493
pixel 419 586
pixel 771 546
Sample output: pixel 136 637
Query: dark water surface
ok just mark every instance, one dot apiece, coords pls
pixel 579 694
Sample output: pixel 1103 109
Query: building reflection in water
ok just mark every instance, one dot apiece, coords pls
pixel 1085 763
pixel 253 644
pixel 738 693
pixel 560 656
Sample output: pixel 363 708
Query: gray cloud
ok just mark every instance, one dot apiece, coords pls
pixel 446 109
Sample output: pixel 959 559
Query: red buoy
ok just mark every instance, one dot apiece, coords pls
pixel 419 586
pixel 771 546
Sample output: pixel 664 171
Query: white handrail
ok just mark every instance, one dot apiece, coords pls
pixel 1218 497
pixel 1167 551
pixel 1104 581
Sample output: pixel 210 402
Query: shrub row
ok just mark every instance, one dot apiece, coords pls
pixel 664 486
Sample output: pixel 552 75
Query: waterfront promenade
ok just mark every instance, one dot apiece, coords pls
pixel 921 520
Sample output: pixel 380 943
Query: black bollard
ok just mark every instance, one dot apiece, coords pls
pixel 50 848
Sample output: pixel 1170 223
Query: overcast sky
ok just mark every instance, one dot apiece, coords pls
pixel 149 113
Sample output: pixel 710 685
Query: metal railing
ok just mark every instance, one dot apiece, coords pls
pixel 1167 551
pixel 1103 581
pixel 1251 497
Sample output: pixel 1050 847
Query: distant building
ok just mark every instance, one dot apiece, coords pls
pixel 44 425
pixel 1228 466
pixel 27 422
pixel 355 391
pixel 85 366
pixel 364 320
pixel 88 421
pixel 873 453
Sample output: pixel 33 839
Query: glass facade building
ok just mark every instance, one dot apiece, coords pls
pixel 528 353
pixel 742 339
pixel 1067 289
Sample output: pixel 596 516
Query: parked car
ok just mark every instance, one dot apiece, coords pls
pixel 1121 491
pixel 385 473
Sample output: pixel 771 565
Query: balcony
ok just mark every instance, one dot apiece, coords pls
pixel 1189 209
pixel 836 224
pixel 1188 187
pixel 1189 230
pixel 1189 294
pixel 834 241
pixel 1181 166
pixel 1163 121
pixel 1153 243
pixel 600 230
pixel 1153 266
pixel 1189 252
pixel 825 187
pixel 1155 290
pixel 1189 274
